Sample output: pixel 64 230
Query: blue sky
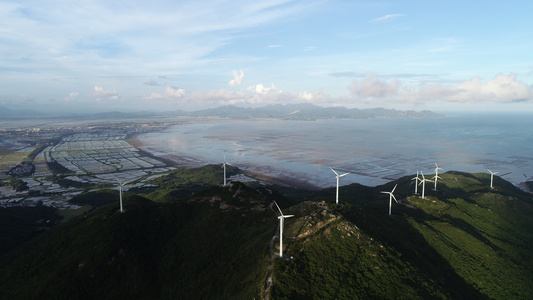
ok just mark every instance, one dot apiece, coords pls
pixel 168 55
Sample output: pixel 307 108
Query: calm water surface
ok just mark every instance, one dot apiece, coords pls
pixel 375 151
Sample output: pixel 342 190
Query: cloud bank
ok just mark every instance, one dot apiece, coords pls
pixel 370 91
pixel 100 93
pixel 169 94
pixel 501 88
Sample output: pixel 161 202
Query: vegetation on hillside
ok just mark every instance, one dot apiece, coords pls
pixel 192 238
pixel 464 241
pixel 183 182
pixel 20 224
pixel 197 248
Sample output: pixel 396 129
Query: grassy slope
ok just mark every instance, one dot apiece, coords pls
pixel 466 241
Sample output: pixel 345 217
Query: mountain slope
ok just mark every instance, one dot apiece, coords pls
pixel 465 241
pixel 186 250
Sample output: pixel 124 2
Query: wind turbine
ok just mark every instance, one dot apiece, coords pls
pixel 224 166
pixel 423 182
pixel 120 185
pixel 416 182
pixel 491 177
pixel 436 175
pixel 338 176
pixel 390 197
pixel 281 219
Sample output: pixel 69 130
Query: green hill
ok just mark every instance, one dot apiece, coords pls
pixel 189 249
pixel 465 241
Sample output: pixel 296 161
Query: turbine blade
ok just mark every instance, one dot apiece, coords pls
pixel 344 174
pixel 334 171
pixel 288 216
pixel 393 189
pixel 278 208
pixel 119 182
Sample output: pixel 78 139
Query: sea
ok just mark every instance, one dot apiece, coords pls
pixel 373 151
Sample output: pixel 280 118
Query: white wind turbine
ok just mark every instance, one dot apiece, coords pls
pixel 423 182
pixel 436 175
pixel 120 185
pixel 224 166
pixel 391 195
pixel 338 176
pixel 416 182
pixel 281 221
pixel 491 177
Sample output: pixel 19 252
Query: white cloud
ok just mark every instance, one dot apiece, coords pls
pixel 306 95
pixel 501 88
pixel 386 18
pixel 258 94
pixel 238 78
pixel 99 93
pixel 71 96
pixel 274 46
pixel 261 89
pixel 371 87
pixel 169 94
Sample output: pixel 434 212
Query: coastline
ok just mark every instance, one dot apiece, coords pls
pixel 307 149
pixel 190 162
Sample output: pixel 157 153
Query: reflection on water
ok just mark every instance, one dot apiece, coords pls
pixel 373 150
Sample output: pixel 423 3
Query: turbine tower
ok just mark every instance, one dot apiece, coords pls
pixel 416 182
pixel 436 175
pixel 224 166
pixel 423 182
pixel 391 195
pixel 120 185
pixel 281 221
pixel 338 176
pixel 491 177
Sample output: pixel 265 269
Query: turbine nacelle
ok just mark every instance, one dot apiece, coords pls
pixel 391 193
pixel 492 173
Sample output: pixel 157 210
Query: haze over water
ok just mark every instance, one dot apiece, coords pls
pixel 375 151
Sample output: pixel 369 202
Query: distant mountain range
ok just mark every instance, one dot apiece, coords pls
pixel 309 112
pixel 303 111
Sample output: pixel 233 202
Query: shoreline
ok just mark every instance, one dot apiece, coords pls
pixel 189 162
